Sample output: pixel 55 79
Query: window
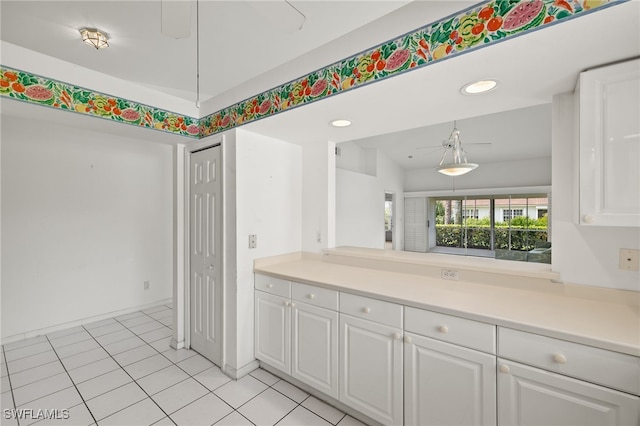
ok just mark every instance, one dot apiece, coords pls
pixel 470 213
pixel 507 227
pixel 508 214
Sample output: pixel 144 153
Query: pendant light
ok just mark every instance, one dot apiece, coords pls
pixel 459 164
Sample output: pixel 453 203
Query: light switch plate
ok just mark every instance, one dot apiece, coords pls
pixel 253 241
pixel 629 259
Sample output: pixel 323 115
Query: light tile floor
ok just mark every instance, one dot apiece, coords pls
pixel 121 371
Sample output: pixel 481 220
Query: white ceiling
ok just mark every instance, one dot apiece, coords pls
pixel 530 69
pixel 238 39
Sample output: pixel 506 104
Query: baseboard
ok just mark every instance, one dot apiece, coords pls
pixel 175 344
pixel 240 372
pixel 71 324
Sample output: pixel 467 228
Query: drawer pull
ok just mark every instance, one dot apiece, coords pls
pixel 408 339
pixel 269 285
pixel 443 329
pixel 397 336
pixel 559 359
pixel 504 368
pixel 366 310
pixel 287 303
pixel 312 296
pixel 293 304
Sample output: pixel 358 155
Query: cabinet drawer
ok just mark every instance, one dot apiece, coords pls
pixel 448 328
pixel 272 285
pixel 371 309
pixel 317 296
pixel 607 368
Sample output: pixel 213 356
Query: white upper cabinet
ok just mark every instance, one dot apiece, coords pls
pixel 610 145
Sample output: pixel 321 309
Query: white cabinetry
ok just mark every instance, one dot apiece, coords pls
pixel 296 331
pixel 444 383
pixel 371 358
pixel 529 395
pixel 273 322
pixel 315 338
pixel 610 145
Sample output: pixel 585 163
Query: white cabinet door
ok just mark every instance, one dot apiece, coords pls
pixel 610 145
pixel 273 330
pixel 315 347
pixel 371 369
pixel 446 384
pixel 530 396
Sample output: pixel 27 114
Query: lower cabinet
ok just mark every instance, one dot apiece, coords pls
pixel 531 396
pixel 446 384
pixel 298 338
pixel 371 369
pixel 402 365
pixel 548 381
pixel 273 330
pixel 315 347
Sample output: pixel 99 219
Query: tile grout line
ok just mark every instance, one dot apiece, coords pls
pixel 72 381
pixel 194 378
pixel 13 398
pixel 134 381
pixel 172 363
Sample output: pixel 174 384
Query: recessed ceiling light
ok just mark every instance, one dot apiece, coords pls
pixel 340 123
pixel 94 38
pixel 480 86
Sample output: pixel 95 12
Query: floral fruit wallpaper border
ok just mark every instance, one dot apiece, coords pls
pixel 23 86
pixel 467 30
pixel 478 26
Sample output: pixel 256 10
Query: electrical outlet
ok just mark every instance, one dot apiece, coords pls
pixel 629 259
pixel 147 284
pixel 253 241
pixel 449 274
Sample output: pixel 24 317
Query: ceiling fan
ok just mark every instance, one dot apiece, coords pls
pixel 453 147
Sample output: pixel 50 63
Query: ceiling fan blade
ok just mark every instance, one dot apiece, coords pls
pixel 176 18
pixel 281 13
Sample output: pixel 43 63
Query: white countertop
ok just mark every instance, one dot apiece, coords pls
pixel 608 319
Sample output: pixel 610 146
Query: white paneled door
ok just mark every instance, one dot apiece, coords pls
pixel 205 284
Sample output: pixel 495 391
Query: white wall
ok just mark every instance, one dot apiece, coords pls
pixel 269 205
pixel 357 159
pixel 583 255
pixel 532 172
pixel 360 205
pixel 86 219
pixel 318 196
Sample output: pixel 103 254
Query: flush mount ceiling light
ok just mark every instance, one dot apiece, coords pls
pixel 477 87
pixel 94 38
pixel 459 164
pixel 340 123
